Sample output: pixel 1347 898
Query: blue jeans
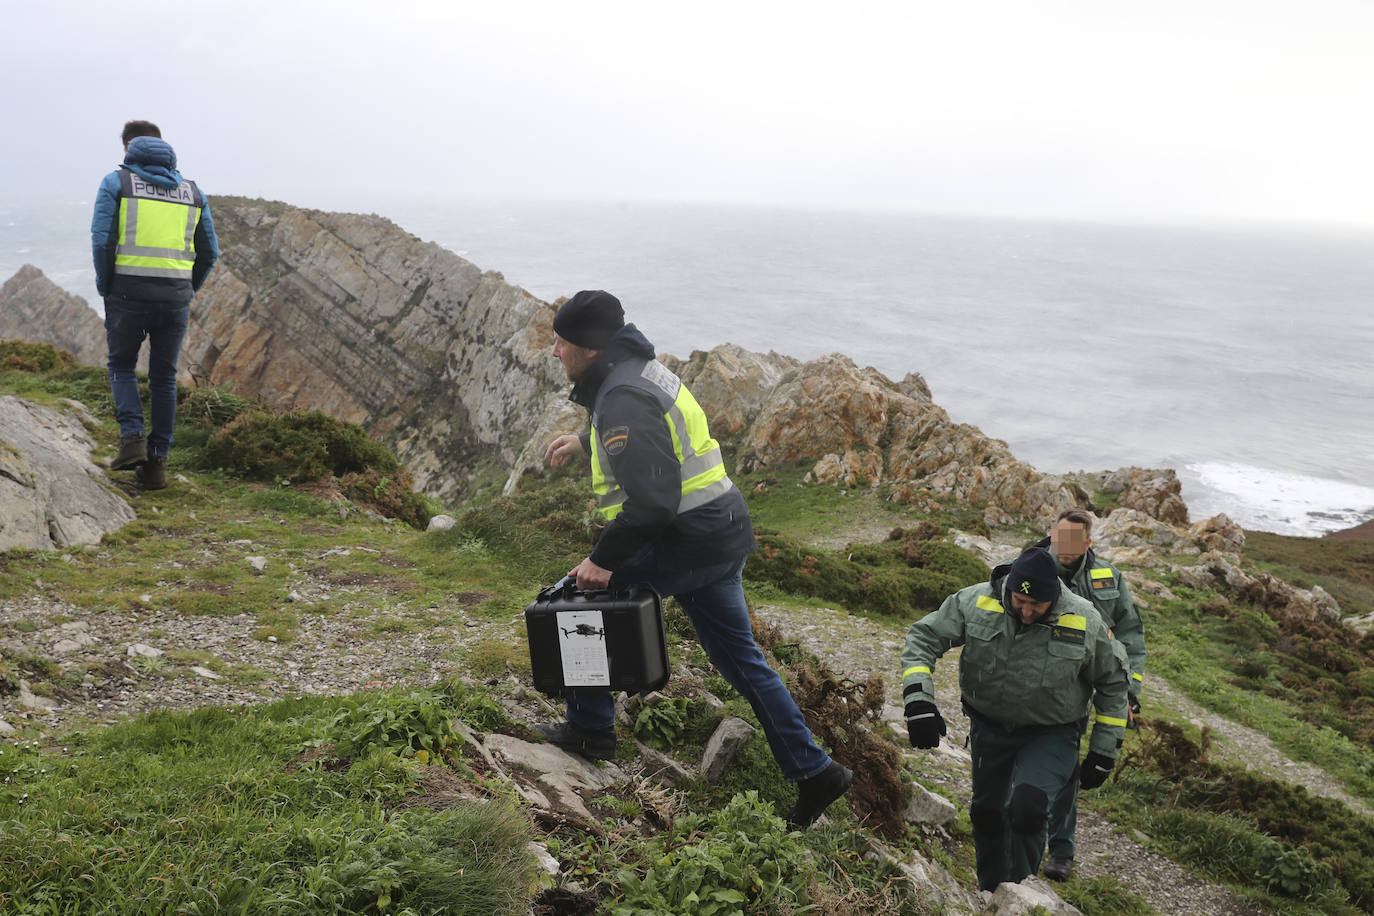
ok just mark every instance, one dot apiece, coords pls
pixel 713 598
pixel 127 323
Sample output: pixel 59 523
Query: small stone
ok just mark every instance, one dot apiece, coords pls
pixel 205 673
pixel 258 563
pixel 139 649
pixel 442 523
pixel 728 738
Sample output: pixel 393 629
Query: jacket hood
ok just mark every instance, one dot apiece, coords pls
pixel 153 159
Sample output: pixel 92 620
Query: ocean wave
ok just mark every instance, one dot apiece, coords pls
pixel 1262 499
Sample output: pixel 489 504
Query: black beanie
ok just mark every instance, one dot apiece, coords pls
pixel 1034 575
pixel 589 319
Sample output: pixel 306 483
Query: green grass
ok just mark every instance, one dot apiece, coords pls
pixel 224 810
pixel 1343 568
pixel 216 811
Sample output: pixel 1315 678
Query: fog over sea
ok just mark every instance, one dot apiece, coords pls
pixel 1241 356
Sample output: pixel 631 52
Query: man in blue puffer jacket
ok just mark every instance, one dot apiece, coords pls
pixel 153 244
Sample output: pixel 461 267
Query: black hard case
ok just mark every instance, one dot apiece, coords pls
pixel 630 642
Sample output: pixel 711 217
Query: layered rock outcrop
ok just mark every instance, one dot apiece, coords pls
pixel 450 366
pixel 32 307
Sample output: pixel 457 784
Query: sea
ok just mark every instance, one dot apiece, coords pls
pixel 1241 356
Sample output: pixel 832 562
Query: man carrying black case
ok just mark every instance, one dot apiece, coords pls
pixel 677 523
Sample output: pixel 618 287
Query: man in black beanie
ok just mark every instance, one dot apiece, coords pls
pixel 676 522
pixel 1034 655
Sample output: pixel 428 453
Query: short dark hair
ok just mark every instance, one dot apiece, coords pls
pixel 139 129
pixel 1078 517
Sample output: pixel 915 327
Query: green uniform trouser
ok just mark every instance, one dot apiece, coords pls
pixel 1064 814
pixel 1016 771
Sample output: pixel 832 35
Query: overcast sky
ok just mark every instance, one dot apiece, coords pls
pixel 1201 109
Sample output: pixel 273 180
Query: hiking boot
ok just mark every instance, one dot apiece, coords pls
pixel 152 474
pixel 1058 868
pixel 133 451
pixel 592 743
pixel 816 794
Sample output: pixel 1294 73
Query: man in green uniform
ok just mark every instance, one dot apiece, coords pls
pixel 1089 576
pixel 1034 655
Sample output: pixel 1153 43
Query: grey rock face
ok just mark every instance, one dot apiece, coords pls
pixel 32 307
pixel 728 738
pixel 51 495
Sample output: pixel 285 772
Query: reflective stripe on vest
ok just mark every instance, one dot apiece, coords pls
pixel 701 466
pixel 157 228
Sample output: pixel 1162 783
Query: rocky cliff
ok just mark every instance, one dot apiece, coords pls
pixel 450 366
pixel 32 307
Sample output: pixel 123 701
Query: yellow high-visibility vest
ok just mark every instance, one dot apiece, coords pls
pixel 701 465
pixel 157 228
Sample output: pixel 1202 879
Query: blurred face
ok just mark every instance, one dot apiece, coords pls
pixel 576 360
pixel 1069 541
pixel 1028 610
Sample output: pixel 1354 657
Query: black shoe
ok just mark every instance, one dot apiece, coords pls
pixel 152 474
pixel 1058 868
pixel 816 794
pixel 592 743
pixel 133 451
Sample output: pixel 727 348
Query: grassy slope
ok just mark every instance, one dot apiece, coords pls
pixel 212 811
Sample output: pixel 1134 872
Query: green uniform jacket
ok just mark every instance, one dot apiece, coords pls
pixel 1042 674
pixel 1102 584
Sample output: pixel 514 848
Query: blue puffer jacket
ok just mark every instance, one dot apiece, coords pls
pixel 153 160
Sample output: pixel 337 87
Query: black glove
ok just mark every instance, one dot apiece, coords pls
pixel 924 724
pixel 1094 770
pixel 1134 704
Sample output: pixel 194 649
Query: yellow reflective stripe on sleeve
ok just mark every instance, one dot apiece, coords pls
pixel 1073 621
pixel 915 669
pixel 1108 720
pixel 1138 677
pixel 1102 572
pixel 990 604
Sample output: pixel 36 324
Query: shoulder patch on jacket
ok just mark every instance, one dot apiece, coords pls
pixel 615 439
pixel 1102 577
pixel 988 603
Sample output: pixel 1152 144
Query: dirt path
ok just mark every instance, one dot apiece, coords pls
pixel 856 646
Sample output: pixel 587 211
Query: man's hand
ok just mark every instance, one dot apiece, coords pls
pixel 1094 770
pixel 1132 712
pixel 589 575
pixel 562 450
pixel 924 724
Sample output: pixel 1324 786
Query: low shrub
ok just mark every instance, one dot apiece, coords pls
pixel 415 725
pixel 899 576
pixel 23 356
pixel 298 446
pixel 736 859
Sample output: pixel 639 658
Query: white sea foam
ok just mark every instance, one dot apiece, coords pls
pixel 1266 500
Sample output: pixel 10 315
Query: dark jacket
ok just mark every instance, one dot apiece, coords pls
pixel 153 160
pixel 648 470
